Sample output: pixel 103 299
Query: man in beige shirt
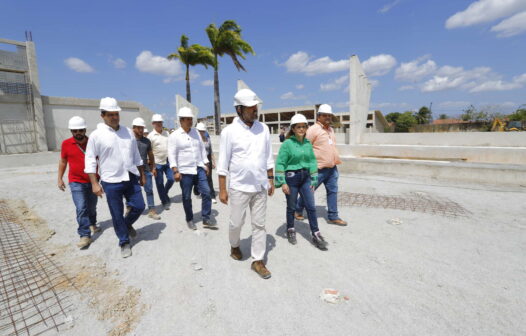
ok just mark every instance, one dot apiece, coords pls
pixel 159 139
pixel 323 140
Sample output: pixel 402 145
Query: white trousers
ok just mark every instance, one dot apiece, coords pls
pixel 239 202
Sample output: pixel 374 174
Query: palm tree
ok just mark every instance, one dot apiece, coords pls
pixel 226 40
pixel 194 55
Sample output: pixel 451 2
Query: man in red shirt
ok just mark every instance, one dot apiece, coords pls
pixel 72 153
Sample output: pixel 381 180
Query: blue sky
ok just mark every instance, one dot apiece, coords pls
pixel 450 52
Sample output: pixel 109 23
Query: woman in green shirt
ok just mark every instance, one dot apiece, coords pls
pixel 297 173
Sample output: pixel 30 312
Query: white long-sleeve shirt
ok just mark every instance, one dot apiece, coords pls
pixel 159 145
pixel 245 155
pixel 116 151
pixel 186 151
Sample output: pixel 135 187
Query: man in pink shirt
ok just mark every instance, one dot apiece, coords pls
pixel 321 135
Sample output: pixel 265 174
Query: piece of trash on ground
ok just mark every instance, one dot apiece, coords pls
pixel 333 296
pixel 196 266
pixel 395 221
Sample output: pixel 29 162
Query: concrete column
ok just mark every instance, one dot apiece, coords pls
pixel 360 95
pixel 38 109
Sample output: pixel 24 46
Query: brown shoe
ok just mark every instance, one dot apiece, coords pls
pixel 338 221
pixel 94 229
pixel 298 216
pixel 153 215
pixel 235 253
pixel 259 267
pixel 84 242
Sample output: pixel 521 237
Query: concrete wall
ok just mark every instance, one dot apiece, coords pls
pixel 58 111
pixel 490 139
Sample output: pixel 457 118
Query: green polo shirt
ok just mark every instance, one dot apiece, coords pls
pixel 295 155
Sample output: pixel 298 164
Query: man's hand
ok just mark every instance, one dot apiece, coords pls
pixel 207 171
pixel 223 196
pixel 285 189
pixel 213 165
pixel 142 180
pixel 97 189
pixel 177 176
pixel 271 189
pixel 154 172
pixel 61 185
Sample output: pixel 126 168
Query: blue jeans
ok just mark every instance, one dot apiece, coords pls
pixel 148 189
pixel 299 183
pixel 187 182
pixel 329 177
pixel 115 192
pixel 86 203
pixel 162 188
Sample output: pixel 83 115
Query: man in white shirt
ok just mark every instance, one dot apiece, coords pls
pixel 188 160
pixel 245 156
pixel 159 140
pixel 121 171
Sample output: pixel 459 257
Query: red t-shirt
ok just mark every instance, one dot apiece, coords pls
pixel 72 152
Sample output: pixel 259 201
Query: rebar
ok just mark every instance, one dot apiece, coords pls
pixel 415 202
pixel 33 288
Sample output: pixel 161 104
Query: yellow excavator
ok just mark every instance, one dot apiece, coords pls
pixel 501 126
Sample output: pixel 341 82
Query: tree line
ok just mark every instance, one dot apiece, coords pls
pixel 406 120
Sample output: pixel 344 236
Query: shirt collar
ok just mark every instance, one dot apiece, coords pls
pixel 237 119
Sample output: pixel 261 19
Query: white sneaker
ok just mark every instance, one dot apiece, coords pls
pixel 214 201
pixel 126 251
pixel 191 225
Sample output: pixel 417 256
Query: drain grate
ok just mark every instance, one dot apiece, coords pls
pixel 415 202
pixel 33 289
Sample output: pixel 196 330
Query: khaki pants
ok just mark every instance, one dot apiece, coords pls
pixel 239 203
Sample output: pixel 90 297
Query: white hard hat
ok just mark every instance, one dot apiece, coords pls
pixel 325 108
pixel 157 117
pixel 297 119
pixel 76 123
pixel 246 97
pixel 185 112
pixel 109 104
pixel 138 122
pixel 200 127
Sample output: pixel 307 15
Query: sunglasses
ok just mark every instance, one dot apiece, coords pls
pixel 185 118
pixel 78 131
pixel 301 126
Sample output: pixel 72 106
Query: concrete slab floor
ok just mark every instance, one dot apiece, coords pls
pixel 458 271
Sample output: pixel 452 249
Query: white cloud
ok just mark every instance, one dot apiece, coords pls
pixel 379 65
pixel 415 70
pixel 207 82
pixel 119 63
pixel 386 8
pixel 300 86
pixel 291 96
pixel 301 62
pixel 157 65
pixel 406 87
pixel 335 84
pixel 482 11
pixel 511 26
pixel 169 80
pixel 496 85
pixel 429 78
pixel 78 65
pixel 448 77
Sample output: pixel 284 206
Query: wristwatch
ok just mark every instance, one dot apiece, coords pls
pixel 270 177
